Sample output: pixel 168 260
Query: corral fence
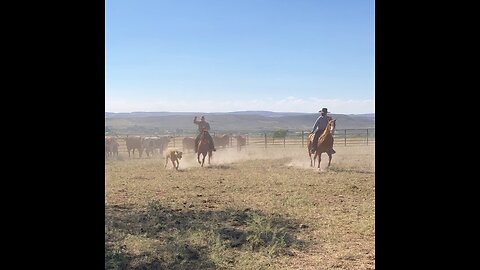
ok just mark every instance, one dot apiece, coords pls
pixel 342 137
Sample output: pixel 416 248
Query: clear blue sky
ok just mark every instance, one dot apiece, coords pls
pixel 232 55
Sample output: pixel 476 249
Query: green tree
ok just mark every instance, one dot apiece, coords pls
pixel 280 133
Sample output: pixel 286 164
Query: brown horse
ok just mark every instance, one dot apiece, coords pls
pixel 204 147
pixel 324 144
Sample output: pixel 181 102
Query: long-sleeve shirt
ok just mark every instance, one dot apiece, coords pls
pixel 201 125
pixel 322 122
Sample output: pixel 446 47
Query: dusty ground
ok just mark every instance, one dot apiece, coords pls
pixel 254 209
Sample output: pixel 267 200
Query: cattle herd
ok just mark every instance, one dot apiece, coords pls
pixel 157 144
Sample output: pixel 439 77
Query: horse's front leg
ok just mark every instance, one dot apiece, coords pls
pixel 203 159
pixel 319 159
pixel 198 158
pixel 329 159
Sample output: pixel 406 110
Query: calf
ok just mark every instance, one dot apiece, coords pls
pixel 174 155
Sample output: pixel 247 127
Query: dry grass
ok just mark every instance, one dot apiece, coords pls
pixel 257 209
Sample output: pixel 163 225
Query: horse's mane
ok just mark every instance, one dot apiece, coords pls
pixel 325 135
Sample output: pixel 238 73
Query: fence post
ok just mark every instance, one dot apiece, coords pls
pixel 265 140
pixel 367 136
pixel 302 138
pixel 345 137
pixel 284 141
pixel 174 136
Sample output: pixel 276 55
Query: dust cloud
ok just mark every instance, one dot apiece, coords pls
pixel 347 158
pixel 358 158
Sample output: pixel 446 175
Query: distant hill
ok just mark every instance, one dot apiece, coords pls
pixel 152 114
pixel 242 121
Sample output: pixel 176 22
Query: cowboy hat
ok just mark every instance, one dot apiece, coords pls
pixel 324 110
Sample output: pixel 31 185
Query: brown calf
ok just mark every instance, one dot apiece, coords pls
pixel 174 155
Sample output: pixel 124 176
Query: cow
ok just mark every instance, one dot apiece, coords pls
pixel 111 147
pixel 188 143
pixel 241 141
pixel 134 142
pixel 150 144
pixel 174 155
pixel 221 141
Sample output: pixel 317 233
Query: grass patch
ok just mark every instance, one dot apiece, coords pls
pixel 249 212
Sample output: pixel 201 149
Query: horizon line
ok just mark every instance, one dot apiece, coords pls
pixel 231 112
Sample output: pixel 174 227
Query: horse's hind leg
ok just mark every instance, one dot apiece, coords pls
pixel 198 158
pixel 203 159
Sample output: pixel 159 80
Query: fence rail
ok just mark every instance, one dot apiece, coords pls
pixel 345 137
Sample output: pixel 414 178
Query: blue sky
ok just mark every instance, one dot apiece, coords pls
pixel 234 55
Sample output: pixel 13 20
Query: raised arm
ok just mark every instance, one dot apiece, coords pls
pixel 195 121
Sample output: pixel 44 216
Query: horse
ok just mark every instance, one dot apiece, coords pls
pixel 203 148
pixel 324 144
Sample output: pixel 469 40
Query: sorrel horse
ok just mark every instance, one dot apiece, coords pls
pixel 324 144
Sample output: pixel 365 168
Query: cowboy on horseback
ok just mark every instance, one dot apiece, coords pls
pixel 203 126
pixel 319 127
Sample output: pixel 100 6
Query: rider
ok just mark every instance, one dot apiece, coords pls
pixel 203 125
pixel 321 124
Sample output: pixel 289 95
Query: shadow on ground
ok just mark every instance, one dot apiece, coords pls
pixel 193 239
